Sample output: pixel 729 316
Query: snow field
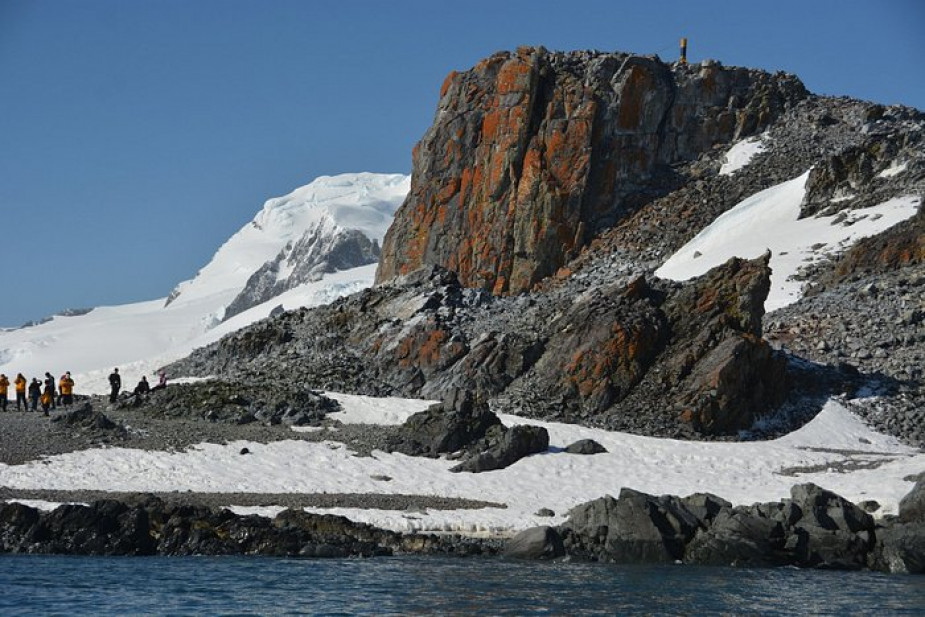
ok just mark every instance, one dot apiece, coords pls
pixel 828 449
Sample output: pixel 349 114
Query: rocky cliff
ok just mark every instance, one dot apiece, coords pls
pixel 534 153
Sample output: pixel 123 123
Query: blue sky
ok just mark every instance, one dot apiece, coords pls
pixel 138 135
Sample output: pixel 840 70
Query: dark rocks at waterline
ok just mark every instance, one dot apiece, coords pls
pixel 146 525
pixel 815 528
pixel 535 543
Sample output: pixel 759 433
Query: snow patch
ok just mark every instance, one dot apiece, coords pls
pixel 741 154
pixel 893 170
pixel 769 220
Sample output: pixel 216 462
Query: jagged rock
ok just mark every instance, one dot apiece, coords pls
pixel 728 375
pixel 705 506
pixel 146 525
pixel 319 251
pixel 738 537
pixel 515 443
pixel 636 528
pixel 585 446
pixel 535 543
pixel 825 509
pixel 532 153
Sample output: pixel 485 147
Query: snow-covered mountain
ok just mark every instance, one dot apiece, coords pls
pixel 301 249
pixel 334 223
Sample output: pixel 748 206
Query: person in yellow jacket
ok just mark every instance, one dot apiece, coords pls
pixel 21 383
pixel 4 387
pixel 66 388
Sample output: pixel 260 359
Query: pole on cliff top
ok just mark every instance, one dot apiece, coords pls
pixel 683 59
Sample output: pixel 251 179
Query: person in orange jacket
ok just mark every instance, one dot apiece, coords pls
pixel 4 388
pixel 66 388
pixel 21 382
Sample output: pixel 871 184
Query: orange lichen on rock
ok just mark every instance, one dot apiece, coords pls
pixel 447 82
pixel 632 101
pixel 515 76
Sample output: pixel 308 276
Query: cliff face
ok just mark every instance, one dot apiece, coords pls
pixel 533 153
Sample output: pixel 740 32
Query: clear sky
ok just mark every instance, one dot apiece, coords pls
pixel 138 135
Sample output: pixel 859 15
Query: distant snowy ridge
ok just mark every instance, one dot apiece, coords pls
pixel 298 245
pixel 333 223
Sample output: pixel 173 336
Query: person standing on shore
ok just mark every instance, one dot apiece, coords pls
pixel 48 395
pixel 21 383
pixel 35 392
pixel 66 387
pixel 4 388
pixel 50 388
pixel 115 385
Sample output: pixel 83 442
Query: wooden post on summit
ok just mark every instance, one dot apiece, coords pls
pixel 683 59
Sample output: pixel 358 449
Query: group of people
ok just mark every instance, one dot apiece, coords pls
pixel 46 395
pixel 143 387
pixel 40 393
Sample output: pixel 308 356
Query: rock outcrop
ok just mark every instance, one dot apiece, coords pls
pixel 533 153
pixel 814 528
pixel 146 525
pixel 656 358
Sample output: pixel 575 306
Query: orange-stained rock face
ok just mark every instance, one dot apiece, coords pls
pixel 533 153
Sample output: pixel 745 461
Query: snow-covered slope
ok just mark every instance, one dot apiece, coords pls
pixel 364 202
pixel 769 220
pixel 140 337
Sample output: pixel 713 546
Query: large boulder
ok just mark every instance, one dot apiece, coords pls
pixel 634 528
pixel 738 537
pixel 535 543
pixel 443 428
pixel 900 548
pixel 515 443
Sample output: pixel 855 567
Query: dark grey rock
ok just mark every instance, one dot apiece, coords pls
pixel 636 528
pixel 912 506
pixel 516 442
pixel 900 548
pixel 585 446
pixel 445 427
pixel 826 510
pixel 738 538
pixel 535 543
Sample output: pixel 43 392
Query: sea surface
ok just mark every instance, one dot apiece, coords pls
pixel 69 585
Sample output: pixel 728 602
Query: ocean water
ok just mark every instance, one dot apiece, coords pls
pixel 70 585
